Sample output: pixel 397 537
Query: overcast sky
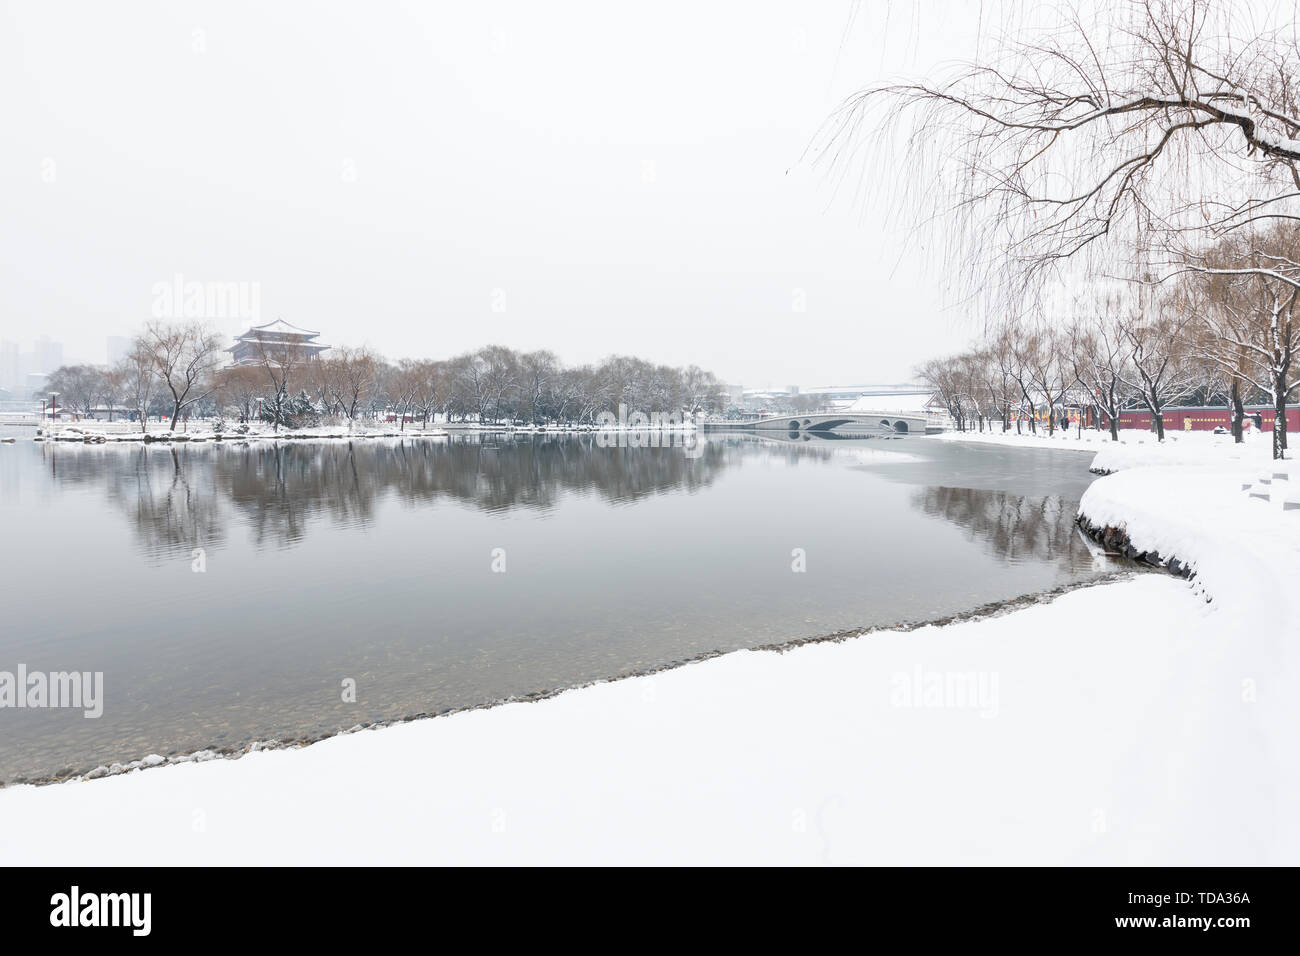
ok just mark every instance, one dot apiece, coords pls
pixel 429 178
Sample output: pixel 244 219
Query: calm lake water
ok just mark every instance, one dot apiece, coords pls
pixel 377 561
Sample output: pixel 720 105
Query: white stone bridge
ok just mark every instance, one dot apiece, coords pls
pixel 898 423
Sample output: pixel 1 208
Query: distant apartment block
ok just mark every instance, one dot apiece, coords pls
pixel 116 348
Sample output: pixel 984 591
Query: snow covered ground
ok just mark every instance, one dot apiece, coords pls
pixel 200 432
pixel 1126 723
pixel 1089 441
pixel 1135 447
pixel 123 432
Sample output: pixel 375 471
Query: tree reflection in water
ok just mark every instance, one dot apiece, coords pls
pixel 184 496
pixel 1016 528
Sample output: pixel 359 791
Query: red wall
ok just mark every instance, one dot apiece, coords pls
pixel 1206 419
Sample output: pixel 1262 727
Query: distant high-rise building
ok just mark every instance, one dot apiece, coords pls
pixel 116 348
pixel 47 355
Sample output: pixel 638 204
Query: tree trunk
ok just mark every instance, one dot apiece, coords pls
pixel 1279 418
pixel 1238 413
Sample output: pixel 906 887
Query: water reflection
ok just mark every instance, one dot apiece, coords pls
pixel 1016 528
pixel 185 497
pixel 371 560
pixel 182 497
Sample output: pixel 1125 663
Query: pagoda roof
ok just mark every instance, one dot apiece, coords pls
pixel 279 327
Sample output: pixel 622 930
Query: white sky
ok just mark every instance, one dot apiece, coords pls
pixel 629 176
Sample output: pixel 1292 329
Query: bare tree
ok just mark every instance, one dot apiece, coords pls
pixel 537 371
pixel 351 376
pixel 138 381
pixel 240 387
pixel 1092 124
pixel 1158 367
pixel 82 387
pixel 405 381
pixel 280 362
pixel 1099 359
pixel 945 377
pixel 1251 282
pixel 184 356
pixel 430 391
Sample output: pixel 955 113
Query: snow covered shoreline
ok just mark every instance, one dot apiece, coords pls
pixel 870 757
pixel 226 752
pixel 1124 723
pixel 98 433
pixel 97 436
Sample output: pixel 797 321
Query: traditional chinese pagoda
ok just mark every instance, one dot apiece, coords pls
pixel 277 338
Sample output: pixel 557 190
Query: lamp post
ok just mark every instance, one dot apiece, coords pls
pixel 54 409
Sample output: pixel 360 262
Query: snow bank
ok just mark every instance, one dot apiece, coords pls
pixel 1106 727
pixel 89 432
pixel 1136 449
pixel 1236 526
pixel 1071 441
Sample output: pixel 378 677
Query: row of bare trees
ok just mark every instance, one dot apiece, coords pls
pixel 168 371
pixel 1223 335
pixel 179 370
pixel 494 384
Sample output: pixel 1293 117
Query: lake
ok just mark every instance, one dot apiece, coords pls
pixel 228 591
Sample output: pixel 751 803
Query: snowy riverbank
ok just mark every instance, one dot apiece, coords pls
pixel 1133 722
pixel 98 433
pixel 103 433
pixel 1073 742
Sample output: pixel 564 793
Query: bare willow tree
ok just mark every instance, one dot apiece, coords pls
pixel 1093 128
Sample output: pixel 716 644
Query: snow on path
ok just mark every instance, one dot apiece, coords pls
pixel 1111 729
pixel 1245 553
pixel 1135 447
pixel 1089 441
